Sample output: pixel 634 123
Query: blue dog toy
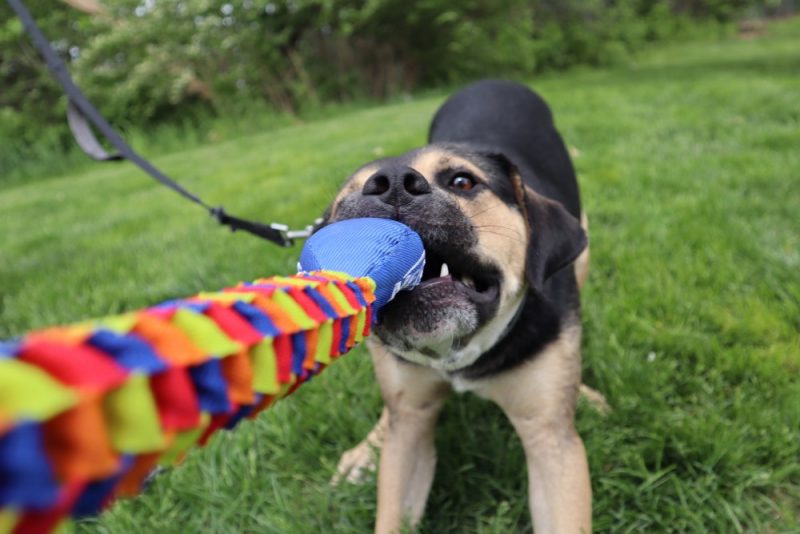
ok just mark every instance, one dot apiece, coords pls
pixel 387 251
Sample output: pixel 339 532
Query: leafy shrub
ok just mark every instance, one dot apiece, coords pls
pixel 147 62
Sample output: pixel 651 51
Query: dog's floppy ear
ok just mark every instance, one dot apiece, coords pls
pixel 556 238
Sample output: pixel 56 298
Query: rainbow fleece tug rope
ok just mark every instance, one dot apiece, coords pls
pixel 87 411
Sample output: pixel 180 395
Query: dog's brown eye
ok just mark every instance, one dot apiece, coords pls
pixel 463 182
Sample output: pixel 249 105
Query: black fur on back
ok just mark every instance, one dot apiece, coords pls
pixel 517 122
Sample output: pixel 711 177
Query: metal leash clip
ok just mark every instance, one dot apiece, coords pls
pixel 290 235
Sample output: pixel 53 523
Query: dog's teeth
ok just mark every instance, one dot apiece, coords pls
pixel 468 281
pixel 445 270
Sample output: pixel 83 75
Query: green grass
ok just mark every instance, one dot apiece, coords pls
pixel 689 163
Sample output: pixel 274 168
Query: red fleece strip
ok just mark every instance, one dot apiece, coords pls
pixel 80 366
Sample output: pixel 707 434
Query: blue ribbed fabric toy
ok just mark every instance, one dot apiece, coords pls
pixel 387 251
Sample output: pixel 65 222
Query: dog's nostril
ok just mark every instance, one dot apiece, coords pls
pixel 396 185
pixel 377 184
pixel 416 184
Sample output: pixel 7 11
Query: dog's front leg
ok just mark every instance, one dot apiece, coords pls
pixel 539 399
pixel 355 463
pixel 559 492
pixel 413 396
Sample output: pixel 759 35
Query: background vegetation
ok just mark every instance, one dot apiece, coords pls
pixel 688 163
pixel 184 64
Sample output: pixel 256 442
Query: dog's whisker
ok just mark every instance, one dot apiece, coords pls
pixel 504 231
pixel 506 236
pixel 516 237
pixel 513 233
pixel 482 226
pixel 489 208
pixel 472 215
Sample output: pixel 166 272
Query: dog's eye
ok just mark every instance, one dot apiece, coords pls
pixel 464 182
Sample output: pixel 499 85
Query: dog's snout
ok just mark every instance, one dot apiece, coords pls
pixel 396 185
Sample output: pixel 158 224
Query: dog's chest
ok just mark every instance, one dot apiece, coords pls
pixel 459 384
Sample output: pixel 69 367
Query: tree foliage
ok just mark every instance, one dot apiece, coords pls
pixel 28 92
pixel 153 61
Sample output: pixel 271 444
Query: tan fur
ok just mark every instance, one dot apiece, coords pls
pixel 521 196
pixel 595 399
pixel 413 396
pixel 501 234
pixel 355 463
pixel 582 263
pixel 539 399
pixel 355 183
pixel 430 160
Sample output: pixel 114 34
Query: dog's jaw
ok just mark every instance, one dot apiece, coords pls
pixel 430 320
pixel 442 353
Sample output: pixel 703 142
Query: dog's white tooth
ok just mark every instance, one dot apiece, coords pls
pixel 468 281
pixel 445 270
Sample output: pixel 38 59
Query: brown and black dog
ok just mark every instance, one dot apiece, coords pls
pixel 495 199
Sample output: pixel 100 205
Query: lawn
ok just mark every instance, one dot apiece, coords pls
pixel 689 163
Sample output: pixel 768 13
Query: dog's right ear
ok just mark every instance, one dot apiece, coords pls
pixel 556 238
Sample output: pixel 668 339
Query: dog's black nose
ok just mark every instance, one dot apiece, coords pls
pixel 396 185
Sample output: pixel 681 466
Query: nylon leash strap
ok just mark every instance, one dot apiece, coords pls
pixel 82 115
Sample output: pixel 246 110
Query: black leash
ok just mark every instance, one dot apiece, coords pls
pixel 82 115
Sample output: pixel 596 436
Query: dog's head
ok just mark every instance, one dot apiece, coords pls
pixel 488 239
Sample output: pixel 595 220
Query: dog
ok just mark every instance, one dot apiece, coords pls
pixel 495 199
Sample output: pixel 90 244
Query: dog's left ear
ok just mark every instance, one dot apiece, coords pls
pixel 556 237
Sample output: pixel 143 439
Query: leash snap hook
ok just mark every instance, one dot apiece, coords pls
pixel 291 235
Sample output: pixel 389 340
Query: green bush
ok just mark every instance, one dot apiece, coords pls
pixel 146 63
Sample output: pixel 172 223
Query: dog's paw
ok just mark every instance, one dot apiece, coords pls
pixel 356 464
pixel 595 399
